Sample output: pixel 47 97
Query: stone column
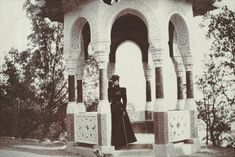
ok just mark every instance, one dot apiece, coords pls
pixel 178 63
pixel 190 104
pixel 162 145
pixel 72 107
pixel 149 104
pixel 79 76
pixel 101 50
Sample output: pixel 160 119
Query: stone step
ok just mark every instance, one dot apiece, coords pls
pixel 143 126
pixel 134 153
pixel 144 138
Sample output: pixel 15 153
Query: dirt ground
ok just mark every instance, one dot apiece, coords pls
pixel 8 149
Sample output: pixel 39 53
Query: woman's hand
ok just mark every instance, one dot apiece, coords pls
pixel 124 113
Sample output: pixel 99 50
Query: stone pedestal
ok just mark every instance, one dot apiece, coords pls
pixel 70 127
pixel 180 105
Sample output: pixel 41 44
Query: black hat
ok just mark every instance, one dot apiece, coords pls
pixel 115 77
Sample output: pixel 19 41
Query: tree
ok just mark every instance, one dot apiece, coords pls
pixel 33 89
pixel 214 108
pixel 18 102
pixel 221 32
pixel 47 59
pixel 217 83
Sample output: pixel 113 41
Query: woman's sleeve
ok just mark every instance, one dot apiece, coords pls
pixel 109 95
pixel 124 98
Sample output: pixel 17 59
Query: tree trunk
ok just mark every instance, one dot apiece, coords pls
pixel 213 139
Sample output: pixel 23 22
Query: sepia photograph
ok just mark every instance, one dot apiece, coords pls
pixel 117 78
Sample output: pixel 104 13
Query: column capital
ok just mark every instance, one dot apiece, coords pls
pixel 71 64
pixel 147 70
pixel 179 70
pixel 101 51
pixel 179 66
pixel 188 63
pixel 99 45
pixel 102 59
pixel 156 51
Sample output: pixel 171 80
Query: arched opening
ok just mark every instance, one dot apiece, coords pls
pixel 129 67
pixel 178 50
pixel 130 56
pixel 80 39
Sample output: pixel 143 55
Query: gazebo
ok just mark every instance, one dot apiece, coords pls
pixel 162 29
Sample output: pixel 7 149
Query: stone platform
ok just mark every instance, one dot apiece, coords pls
pixel 142 148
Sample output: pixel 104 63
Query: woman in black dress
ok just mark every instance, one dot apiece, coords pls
pixel 122 132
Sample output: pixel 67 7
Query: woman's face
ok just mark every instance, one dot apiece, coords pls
pixel 115 82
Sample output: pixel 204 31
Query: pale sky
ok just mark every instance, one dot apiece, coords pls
pixel 15 27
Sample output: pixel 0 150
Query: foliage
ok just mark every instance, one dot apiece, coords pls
pixel 221 32
pixel 91 79
pixel 216 108
pixel 18 101
pixel 47 40
pixel 33 88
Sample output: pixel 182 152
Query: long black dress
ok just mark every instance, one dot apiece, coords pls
pixel 122 132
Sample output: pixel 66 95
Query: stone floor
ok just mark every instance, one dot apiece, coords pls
pixel 22 148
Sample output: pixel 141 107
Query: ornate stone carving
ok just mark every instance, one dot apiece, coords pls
pixel 147 70
pixel 156 51
pixel 71 64
pixel 76 33
pixel 133 7
pixel 100 46
pixel 181 30
pixel 86 128
pixel 178 125
pixel 101 51
pixel 157 58
pixel 179 67
pixel 188 63
pixel 80 67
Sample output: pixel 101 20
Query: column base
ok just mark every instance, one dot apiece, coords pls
pixel 164 150
pixel 190 104
pixel 149 108
pixel 104 129
pixel 72 108
pixel 180 104
pixel 81 107
pixel 104 107
pixel 160 105
pixel 107 151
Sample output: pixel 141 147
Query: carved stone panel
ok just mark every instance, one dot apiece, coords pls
pixel 86 128
pixel 178 125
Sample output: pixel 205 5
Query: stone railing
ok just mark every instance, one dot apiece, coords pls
pixel 86 128
pixel 179 125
